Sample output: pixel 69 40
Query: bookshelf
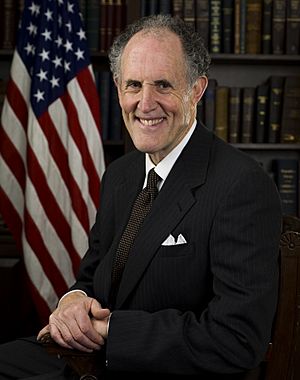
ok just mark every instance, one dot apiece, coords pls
pixel 229 69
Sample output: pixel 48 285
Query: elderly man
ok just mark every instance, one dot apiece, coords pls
pixel 180 278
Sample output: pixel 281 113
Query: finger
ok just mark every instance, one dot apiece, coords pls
pixel 44 331
pixel 75 334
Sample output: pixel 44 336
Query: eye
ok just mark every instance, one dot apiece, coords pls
pixel 163 85
pixel 133 84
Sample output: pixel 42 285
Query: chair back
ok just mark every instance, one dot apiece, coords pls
pixel 283 359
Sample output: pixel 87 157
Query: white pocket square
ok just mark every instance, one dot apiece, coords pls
pixel 170 240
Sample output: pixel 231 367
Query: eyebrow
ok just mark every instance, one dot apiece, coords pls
pixel 155 83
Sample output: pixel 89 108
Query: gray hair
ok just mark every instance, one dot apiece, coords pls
pixel 196 55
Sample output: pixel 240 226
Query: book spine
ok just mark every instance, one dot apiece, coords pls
pixel 234 114
pixel 153 8
pixel 104 92
pixel 189 13
pixel 290 122
pixel 262 101
pixel 222 98
pixel 243 21
pixel 275 108
pixel 202 20
pixel 253 26
pixel 247 115
pixel 165 7
pixel 278 26
pixel 237 27
pixel 227 26
pixel 293 27
pixel 177 8
pixel 119 17
pixel 210 104
pixel 116 122
pixel 267 27
pixel 286 178
pixel 92 22
pixel 103 26
pixel 215 26
pixel 110 25
pixel 144 11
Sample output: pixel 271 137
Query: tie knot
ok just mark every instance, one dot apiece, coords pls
pixel 153 179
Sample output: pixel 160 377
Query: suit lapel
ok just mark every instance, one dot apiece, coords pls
pixel 173 201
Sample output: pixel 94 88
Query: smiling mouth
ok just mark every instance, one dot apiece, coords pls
pixel 151 122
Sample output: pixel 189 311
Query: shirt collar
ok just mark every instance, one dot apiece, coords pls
pixel 164 167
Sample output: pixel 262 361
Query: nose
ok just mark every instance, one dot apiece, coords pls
pixel 147 101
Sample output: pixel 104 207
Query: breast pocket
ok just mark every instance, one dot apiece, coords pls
pixel 179 250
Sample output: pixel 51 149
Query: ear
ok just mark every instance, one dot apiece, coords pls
pixel 199 88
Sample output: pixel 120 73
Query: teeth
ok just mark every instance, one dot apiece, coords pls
pixel 151 121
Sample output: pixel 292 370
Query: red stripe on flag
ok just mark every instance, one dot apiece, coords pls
pixel 12 158
pixel 17 103
pixel 51 207
pixel 60 156
pixel 35 240
pixel 41 305
pixel 88 88
pixel 79 138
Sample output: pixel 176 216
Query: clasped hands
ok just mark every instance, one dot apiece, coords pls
pixel 79 322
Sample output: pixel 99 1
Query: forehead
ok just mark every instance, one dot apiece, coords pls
pixel 153 54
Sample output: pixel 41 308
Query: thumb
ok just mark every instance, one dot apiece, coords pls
pixel 97 311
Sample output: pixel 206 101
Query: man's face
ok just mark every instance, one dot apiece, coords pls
pixel 157 107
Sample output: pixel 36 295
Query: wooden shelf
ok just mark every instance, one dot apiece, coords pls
pixel 268 146
pixel 261 59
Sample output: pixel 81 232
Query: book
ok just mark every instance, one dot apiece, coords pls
pixel 253 26
pixel 215 26
pixel 262 102
pixel 119 17
pixel 210 103
pixel 243 24
pixel 290 122
pixel 104 85
pixel 165 7
pixel 202 20
pixel 275 108
pixel 92 24
pixel 237 27
pixel 267 26
pixel 177 8
pixel 293 27
pixel 221 123
pixel 286 178
pixel 227 26
pixel 189 13
pixel 110 23
pixel 103 25
pixel 115 117
pixel 234 114
pixel 248 101
pixel 153 7
pixel 278 26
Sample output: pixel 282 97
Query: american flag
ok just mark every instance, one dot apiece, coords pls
pixel 51 154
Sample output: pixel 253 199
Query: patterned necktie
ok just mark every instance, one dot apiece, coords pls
pixel 140 209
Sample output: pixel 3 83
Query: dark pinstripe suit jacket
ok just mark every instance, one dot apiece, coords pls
pixel 206 305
